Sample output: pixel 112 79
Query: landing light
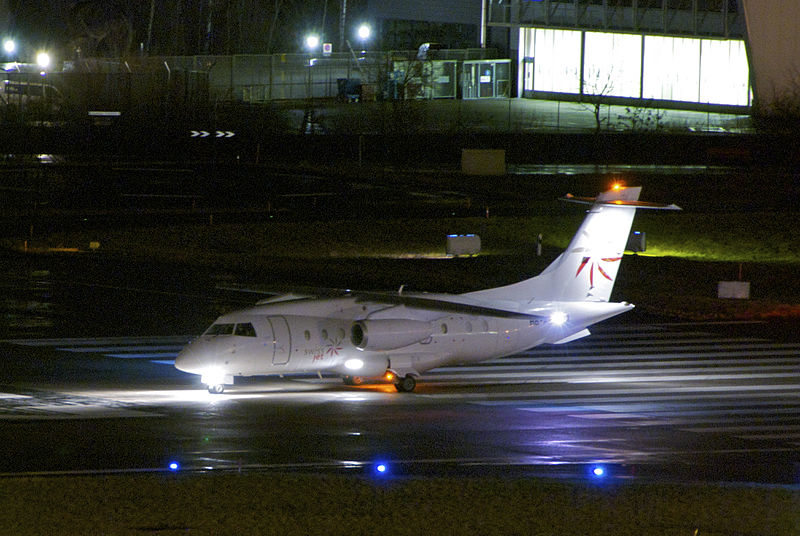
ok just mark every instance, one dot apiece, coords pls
pixel 353 364
pixel 213 376
pixel 558 318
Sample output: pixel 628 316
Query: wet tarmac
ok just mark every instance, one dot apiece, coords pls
pixel 88 386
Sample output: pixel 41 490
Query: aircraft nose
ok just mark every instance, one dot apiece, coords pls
pixel 189 359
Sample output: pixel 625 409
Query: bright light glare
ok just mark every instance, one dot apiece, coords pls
pixel 558 318
pixel 353 364
pixel 364 32
pixel 9 46
pixel 174 466
pixel 43 60
pixel 312 42
pixel 213 376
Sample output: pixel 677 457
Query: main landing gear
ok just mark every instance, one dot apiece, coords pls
pixel 406 384
pixel 353 380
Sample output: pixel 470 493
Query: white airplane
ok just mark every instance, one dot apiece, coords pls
pixel 399 335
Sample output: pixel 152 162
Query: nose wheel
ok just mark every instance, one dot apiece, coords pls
pixel 406 384
pixel 216 389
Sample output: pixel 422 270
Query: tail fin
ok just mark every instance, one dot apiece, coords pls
pixel 587 269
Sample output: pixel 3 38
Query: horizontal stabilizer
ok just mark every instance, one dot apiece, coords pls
pixel 619 203
pixel 575 336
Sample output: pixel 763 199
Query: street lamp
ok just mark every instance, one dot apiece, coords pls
pixel 43 60
pixel 364 31
pixel 312 42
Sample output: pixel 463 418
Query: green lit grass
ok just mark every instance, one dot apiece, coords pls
pixel 741 237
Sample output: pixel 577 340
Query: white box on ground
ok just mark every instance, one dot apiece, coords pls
pixel 739 290
pixel 468 244
pixel 483 161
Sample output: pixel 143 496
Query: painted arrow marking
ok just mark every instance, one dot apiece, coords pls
pixel 199 133
pixel 225 134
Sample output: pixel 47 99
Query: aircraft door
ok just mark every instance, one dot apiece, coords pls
pixel 281 340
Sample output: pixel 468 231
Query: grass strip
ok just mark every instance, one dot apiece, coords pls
pixel 343 504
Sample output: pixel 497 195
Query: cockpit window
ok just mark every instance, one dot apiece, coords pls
pixel 220 329
pixel 245 330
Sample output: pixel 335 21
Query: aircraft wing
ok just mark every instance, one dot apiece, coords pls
pixel 418 301
pixel 436 303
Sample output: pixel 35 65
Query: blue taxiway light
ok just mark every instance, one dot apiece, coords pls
pixel 174 466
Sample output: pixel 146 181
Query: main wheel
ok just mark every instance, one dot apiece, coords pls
pixel 353 380
pixel 216 389
pixel 406 384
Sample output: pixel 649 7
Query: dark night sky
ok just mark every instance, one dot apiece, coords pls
pixel 179 26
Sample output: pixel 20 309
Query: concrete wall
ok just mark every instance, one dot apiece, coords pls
pixel 773 31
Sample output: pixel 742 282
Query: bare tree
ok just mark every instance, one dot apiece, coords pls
pixel 100 28
pixel 594 93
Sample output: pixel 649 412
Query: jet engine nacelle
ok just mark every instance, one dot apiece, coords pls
pixel 378 335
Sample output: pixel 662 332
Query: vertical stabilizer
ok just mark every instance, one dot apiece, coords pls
pixel 587 269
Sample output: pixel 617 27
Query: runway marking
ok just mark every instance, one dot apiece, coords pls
pixel 159 350
pixel 12 396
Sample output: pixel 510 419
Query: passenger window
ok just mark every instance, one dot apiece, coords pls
pixel 324 334
pixel 307 335
pixel 245 330
pixel 220 329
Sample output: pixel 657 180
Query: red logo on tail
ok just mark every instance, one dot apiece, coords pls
pixel 592 264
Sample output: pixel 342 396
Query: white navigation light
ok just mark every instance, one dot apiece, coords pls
pixel 354 364
pixel 558 318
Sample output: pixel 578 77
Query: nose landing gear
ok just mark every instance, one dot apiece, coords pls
pixel 216 389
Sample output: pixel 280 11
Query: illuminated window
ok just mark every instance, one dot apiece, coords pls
pixel 724 73
pixel 612 64
pixel 664 68
pixel 672 68
pixel 557 60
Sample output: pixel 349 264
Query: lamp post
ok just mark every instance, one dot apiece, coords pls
pixel 43 61
pixel 312 42
pixel 364 31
